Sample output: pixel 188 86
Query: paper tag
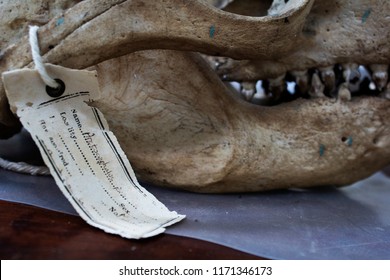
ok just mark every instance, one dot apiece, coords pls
pixel 83 156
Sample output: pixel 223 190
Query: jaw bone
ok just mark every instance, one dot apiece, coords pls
pixel 188 131
pixel 335 32
pixel 88 33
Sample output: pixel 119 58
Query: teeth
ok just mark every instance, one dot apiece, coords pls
pixel 386 92
pixel 344 94
pixel 351 73
pixel 302 80
pixel 318 83
pixel 380 75
pixel 277 86
pixel 329 78
pixel 248 90
pixel 260 97
pixel 317 87
pixel 219 61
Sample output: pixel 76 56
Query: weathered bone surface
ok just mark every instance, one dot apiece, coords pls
pixel 15 17
pixel 181 126
pixel 193 134
pixel 126 26
pixel 335 32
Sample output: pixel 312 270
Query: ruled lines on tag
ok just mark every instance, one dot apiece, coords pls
pixel 83 156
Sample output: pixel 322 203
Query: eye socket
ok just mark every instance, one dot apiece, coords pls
pixel 58 91
pixel 248 7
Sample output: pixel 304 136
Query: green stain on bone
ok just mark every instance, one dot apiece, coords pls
pixel 366 15
pixel 60 21
pixel 322 150
pixel 350 141
pixel 212 31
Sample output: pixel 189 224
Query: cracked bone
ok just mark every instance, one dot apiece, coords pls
pixel 188 131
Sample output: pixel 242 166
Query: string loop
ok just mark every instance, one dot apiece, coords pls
pixel 37 58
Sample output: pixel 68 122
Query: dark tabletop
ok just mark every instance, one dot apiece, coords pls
pixel 28 232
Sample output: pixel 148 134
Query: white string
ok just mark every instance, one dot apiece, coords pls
pixel 37 58
pixel 25 168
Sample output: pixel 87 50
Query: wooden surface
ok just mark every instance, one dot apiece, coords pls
pixel 28 232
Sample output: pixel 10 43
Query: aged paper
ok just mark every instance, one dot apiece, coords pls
pixel 84 157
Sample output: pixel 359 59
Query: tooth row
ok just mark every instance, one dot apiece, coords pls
pixel 321 82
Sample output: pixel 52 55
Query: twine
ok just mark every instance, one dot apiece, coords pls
pixel 37 58
pixel 24 168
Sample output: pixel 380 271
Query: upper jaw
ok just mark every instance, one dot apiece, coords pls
pixel 88 33
pixel 345 33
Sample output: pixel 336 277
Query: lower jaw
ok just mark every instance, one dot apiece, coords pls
pixel 182 128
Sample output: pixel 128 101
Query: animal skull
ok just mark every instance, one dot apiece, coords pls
pixel 182 127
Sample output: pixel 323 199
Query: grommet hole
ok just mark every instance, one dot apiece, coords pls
pixel 58 91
